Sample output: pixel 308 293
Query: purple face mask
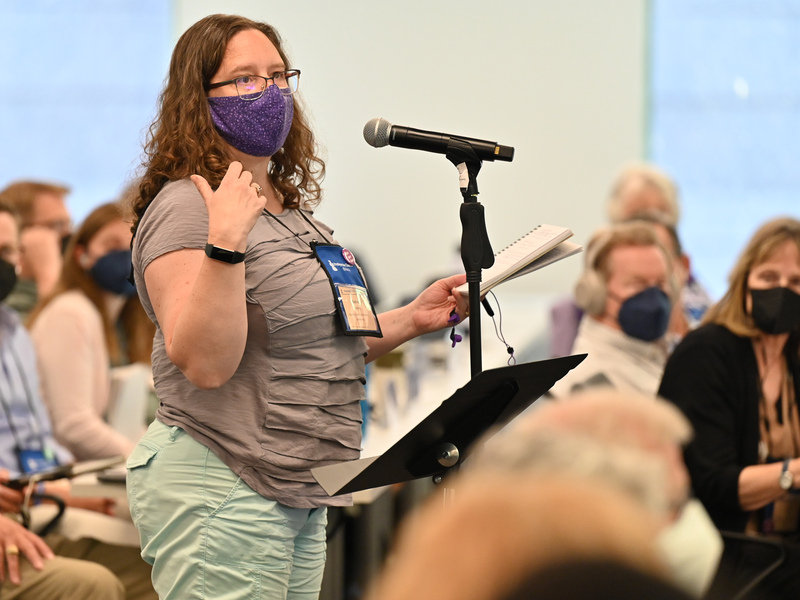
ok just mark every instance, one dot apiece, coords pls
pixel 255 127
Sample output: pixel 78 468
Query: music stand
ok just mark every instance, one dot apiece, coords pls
pixel 444 438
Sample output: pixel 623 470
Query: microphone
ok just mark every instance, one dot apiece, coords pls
pixel 379 133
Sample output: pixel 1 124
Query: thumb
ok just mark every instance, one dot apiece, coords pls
pixel 202 186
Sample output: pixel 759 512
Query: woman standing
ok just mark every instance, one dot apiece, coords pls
pixel 258 365
pixel 737 378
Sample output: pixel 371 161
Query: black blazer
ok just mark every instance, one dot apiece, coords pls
pixel 712 376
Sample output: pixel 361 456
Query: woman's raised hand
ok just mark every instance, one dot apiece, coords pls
pixel 233 208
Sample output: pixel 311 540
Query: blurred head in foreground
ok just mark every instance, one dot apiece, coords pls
pixel 502 528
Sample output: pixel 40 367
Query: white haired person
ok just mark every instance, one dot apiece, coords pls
pixel 630 442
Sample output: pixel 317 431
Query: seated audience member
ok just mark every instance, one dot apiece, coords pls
pixel 46 225
pixel 625 440
pixel 640 188
pixel 34 572
pixel 737 379
pixel 642 191
pixel 626 290
pixel 93 320
pixel 645 191
pixel 689 308
pixel 25 442
pixel 500 529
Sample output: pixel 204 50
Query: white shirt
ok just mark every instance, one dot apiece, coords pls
pixel 614 359
pixel 74 369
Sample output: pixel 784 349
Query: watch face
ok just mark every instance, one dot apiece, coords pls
pixel 787 480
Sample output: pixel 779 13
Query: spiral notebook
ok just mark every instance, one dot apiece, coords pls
pixel 543 245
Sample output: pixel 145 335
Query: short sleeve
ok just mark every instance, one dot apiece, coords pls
pixel 177 219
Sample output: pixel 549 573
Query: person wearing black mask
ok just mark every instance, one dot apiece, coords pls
pixel 627 290
pixel 737 379
pixel 46 227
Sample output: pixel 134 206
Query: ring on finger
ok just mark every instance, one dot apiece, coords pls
pixel 258 187
pixel 12 549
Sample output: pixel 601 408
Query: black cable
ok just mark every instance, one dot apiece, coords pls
pixel 512 360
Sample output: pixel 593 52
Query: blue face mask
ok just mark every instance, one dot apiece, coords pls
pixel 111 272
pixel 645 316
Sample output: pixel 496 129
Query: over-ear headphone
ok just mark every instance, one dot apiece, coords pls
pixel 84 260
pixel 590 290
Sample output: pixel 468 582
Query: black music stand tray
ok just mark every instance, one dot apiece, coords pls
pixel 443 439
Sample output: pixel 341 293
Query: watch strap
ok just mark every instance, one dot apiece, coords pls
pixel 223 254
pixel 786 480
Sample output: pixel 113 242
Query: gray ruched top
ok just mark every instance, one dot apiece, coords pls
pixel 293 402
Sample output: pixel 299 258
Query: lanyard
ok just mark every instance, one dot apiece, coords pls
pixel 30 460
pixel 294 233
pixel 353 303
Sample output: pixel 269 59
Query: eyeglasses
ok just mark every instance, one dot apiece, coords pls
pixel 252 87
pixel 61 226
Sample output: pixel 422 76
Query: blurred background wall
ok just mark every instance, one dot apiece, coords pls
pixel 707 89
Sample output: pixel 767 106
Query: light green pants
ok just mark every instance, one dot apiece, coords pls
pixel 209 536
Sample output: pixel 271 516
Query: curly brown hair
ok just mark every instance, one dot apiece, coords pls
pixel 183 141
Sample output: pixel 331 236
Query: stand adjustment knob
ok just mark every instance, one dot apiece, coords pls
pixel 447 455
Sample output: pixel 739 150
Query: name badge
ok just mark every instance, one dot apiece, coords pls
pixel 350 292
pixel 33 461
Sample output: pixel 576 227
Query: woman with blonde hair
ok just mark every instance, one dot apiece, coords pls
pixel 92 321
pixel 737 379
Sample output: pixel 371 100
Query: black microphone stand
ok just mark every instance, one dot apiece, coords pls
pixel 476 250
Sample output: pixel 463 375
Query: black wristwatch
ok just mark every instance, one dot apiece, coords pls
pixel 786 480
pixel 223 254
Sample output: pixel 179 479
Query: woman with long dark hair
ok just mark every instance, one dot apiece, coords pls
pixel 92 321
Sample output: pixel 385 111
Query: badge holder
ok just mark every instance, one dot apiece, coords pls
pixel 442 441
pixel 353 304
pixel 34 461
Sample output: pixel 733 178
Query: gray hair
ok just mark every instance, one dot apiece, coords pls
pixel 618 438
pixel 648 176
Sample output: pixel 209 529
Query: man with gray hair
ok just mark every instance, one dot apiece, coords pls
pixel 643 189
pixel 625 440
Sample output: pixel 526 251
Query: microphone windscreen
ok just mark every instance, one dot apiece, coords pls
pixel 376 132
